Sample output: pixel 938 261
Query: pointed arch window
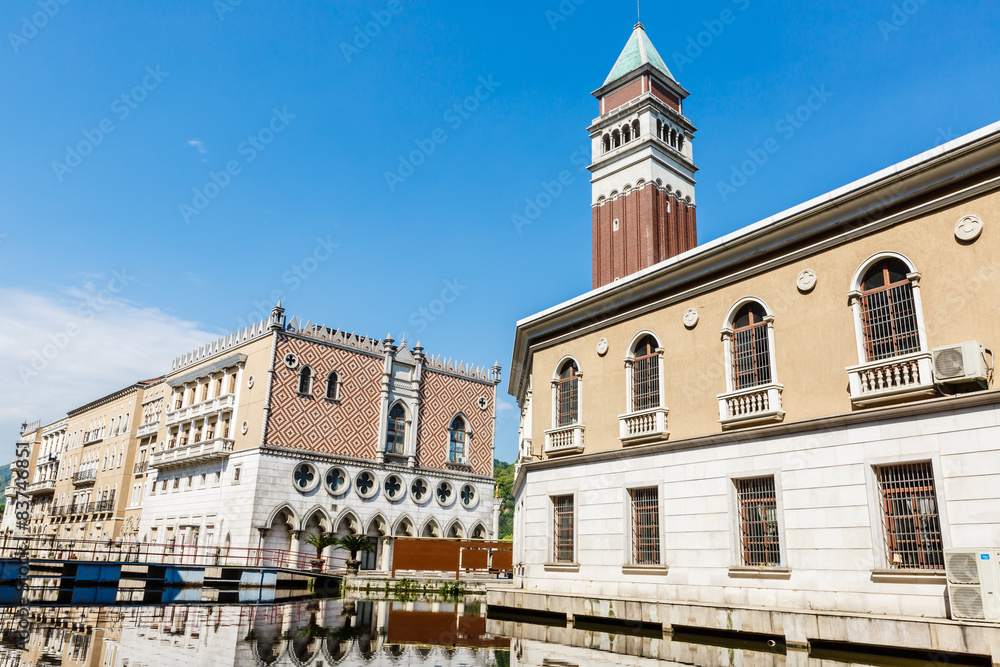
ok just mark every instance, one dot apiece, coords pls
pixel 333 387
pixel 889 320
pixel 568 394
pixel 305 380
pixel 396 430
pixel 457 436
pixel 751 355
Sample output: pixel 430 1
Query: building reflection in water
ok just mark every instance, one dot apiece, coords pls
pixel 310 633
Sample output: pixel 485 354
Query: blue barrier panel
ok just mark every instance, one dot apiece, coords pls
pixel 184 576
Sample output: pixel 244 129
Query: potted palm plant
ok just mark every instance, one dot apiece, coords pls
pixel 320 541
pixel 354 544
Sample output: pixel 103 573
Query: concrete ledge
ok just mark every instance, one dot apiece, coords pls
pixel 909 577
pixel 562 567
pixel 798 628
pixel 655 570
pixel 760 572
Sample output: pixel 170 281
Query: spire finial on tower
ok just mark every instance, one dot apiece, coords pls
pixel 638 16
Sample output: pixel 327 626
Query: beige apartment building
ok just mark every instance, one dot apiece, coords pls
pixel 82 467
pixel 798 417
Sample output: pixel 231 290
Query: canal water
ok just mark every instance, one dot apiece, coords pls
pixel 372 632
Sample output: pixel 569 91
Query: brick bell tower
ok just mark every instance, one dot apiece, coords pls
pixel 643 167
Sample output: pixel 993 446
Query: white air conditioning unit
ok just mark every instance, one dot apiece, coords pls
pixel 965 362
pixel 973 583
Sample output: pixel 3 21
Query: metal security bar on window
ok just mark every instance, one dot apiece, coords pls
pixel 751 354
pixel 911 524
pixel 645 527
pixel 563 529
pixel 646 376
pixel 888 312
pixel 569 395
pixel 758 522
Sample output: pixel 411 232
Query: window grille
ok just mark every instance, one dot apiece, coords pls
pixel 646 376
pixel 563 529
pixel 888 312
pixel 569 395
pixel 759 540
pixel 911 524
pixel 751 351
pixel 645 526
pixel 396 430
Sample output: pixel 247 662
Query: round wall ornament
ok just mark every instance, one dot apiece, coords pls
pixel 602 346
pixel 806 281
pixel 969 228
pixel 691 318
pixel 250 382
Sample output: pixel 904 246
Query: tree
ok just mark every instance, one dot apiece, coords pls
pixel 353 544
pixel 503 474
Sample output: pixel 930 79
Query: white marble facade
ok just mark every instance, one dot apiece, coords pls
pixel 833 552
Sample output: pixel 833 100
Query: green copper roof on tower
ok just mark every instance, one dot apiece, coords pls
pixel 638 52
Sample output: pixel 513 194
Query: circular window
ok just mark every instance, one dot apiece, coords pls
pixel 305 477
pixel 420 490
pixel 291 361
pixel 469 496
pixel 337 481
pixel 445 494
pixel 366 484
pixel 394 488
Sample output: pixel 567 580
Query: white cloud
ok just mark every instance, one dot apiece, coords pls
pixel 61 351
pixel 199 145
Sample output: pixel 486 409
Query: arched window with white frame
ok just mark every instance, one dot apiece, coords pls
pixel 894 359
pixel 305 380
pixel 458 440
pixel 567 386
pixel 753 394
pixel 395 442
pixel 645 418
pixel 333 387
pixel 889 318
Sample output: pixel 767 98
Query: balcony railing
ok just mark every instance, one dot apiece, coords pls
pixel 751 406
pixel 564 440
pixel 140 467
pixel 908 376
pixel 42 486
pixel 211 406
pixel 85 477
pixel 147 429
pixel 219 448
pixel 643 426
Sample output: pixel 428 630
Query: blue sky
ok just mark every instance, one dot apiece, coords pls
pixel 168 169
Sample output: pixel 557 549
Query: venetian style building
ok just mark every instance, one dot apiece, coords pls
pixel 269 434
pixel 799 416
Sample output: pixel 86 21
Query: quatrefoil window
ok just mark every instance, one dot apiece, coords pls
pixel 305 477
pixel 365 484
pixel 393 486
pixel 336 481
pixel 444 492
pixel 418 489
pixel 468 495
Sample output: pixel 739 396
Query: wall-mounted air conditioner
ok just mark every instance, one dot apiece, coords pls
pixel 956 364
pixel 973 583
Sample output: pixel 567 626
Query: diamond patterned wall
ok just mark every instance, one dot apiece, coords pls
pixel 441 397
pixel 349 428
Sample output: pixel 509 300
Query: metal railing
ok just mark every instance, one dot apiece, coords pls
pixel 49 548
pixel 85 476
